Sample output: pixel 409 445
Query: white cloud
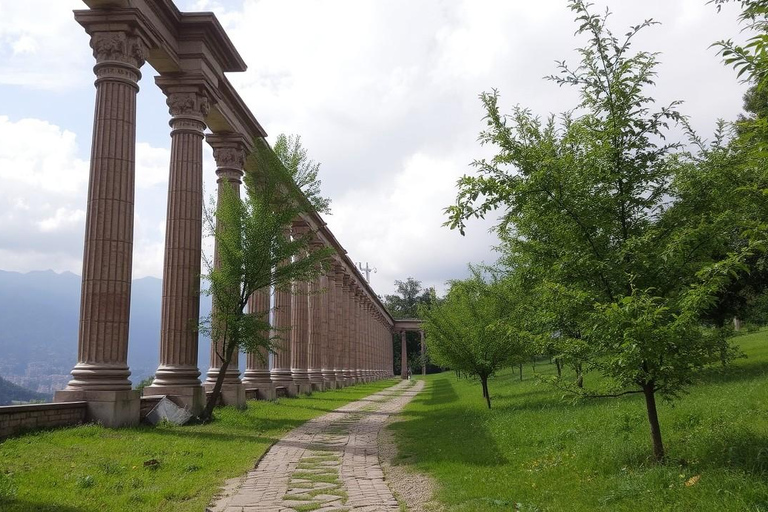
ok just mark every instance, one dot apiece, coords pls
pixel 384 94
pixel 41 46
pixel 63 218
pixel 43 199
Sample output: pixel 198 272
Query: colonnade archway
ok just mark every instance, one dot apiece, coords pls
pixel 339 337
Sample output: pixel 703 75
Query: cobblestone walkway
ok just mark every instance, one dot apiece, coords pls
pixel 330 463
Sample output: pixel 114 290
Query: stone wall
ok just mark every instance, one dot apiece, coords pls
pixel 18 418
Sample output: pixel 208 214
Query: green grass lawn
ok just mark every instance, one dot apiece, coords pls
pixel 537 451
pixel 90 468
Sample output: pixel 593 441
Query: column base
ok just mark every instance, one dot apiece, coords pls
pixel 303 387
pixel 285 389
pixel 112 409
pixel 191 397
pixel 231 393
pixel 264 391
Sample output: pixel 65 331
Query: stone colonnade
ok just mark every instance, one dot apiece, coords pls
pixel 402 327
pixel 340 332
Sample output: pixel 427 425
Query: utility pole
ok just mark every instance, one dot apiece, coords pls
pixel 367 270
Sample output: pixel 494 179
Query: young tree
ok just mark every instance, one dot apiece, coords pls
pixel 473 330
pixel 302 169
pixel 253 254
pixel 587 200
pixel 405 303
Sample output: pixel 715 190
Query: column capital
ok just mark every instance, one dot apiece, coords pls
pixel 118 37
pixel 229 151
pixel 299 227
pixel 189 99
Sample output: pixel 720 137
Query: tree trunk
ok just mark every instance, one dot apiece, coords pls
pixel 486 394
pixel 533 363
pixel 216 392
pixel 579 376
pixel 559 368
pixel 520 368
pixel 653 419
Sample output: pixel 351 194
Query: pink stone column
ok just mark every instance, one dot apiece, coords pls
pixel 257 375
pixel 317 332
pixel 346 328
pixel 338 320
pixel 366 349
pixel 423 360
pixel 403 356
pixel 354 326
pixel 281 323
pixel 327 332
pixel 101 373
pixel 229 152
pixel 180 312
pixel 300 324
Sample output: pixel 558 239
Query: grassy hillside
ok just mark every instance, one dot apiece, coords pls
pixel 10 392
pixel 536 451
pixel 93 469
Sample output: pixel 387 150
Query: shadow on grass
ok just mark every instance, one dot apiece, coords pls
pixel 735 372
pixel 448 433
pixel 441 392
pixel 744 450
pixel 213 436
pixel 29 506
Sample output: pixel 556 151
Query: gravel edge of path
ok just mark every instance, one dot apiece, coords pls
pixel 414 491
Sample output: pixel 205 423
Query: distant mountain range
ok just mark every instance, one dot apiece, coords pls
pixel 39 314
pixel 10 393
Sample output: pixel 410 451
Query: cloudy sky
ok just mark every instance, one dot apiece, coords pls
pixel 382 92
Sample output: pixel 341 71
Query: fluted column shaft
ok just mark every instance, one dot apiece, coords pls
pixel 316 330
pixel 299 321
pixel 257 363
pixel 403 356
pixel 102 348
pixel 338 320
pixel 354 348
pixel 281 362
pixel 180 310
pixel 229 154
pixel 326 330
pixel 423 360
pixel 346 327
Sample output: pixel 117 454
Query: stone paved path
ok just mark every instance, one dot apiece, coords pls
pixel 330 463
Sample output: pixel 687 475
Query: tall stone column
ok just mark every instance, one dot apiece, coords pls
pixel 327 330
pixel 300 324
pixel 257 374
pixel 229 152
pixel 366 341
pixel 423 352
pixel 346 327
pixel 355 345
pixel 180 312
pixel 316 333
pixel 339 327
pixel 403 356
pixel 101 373
pixel 281 361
